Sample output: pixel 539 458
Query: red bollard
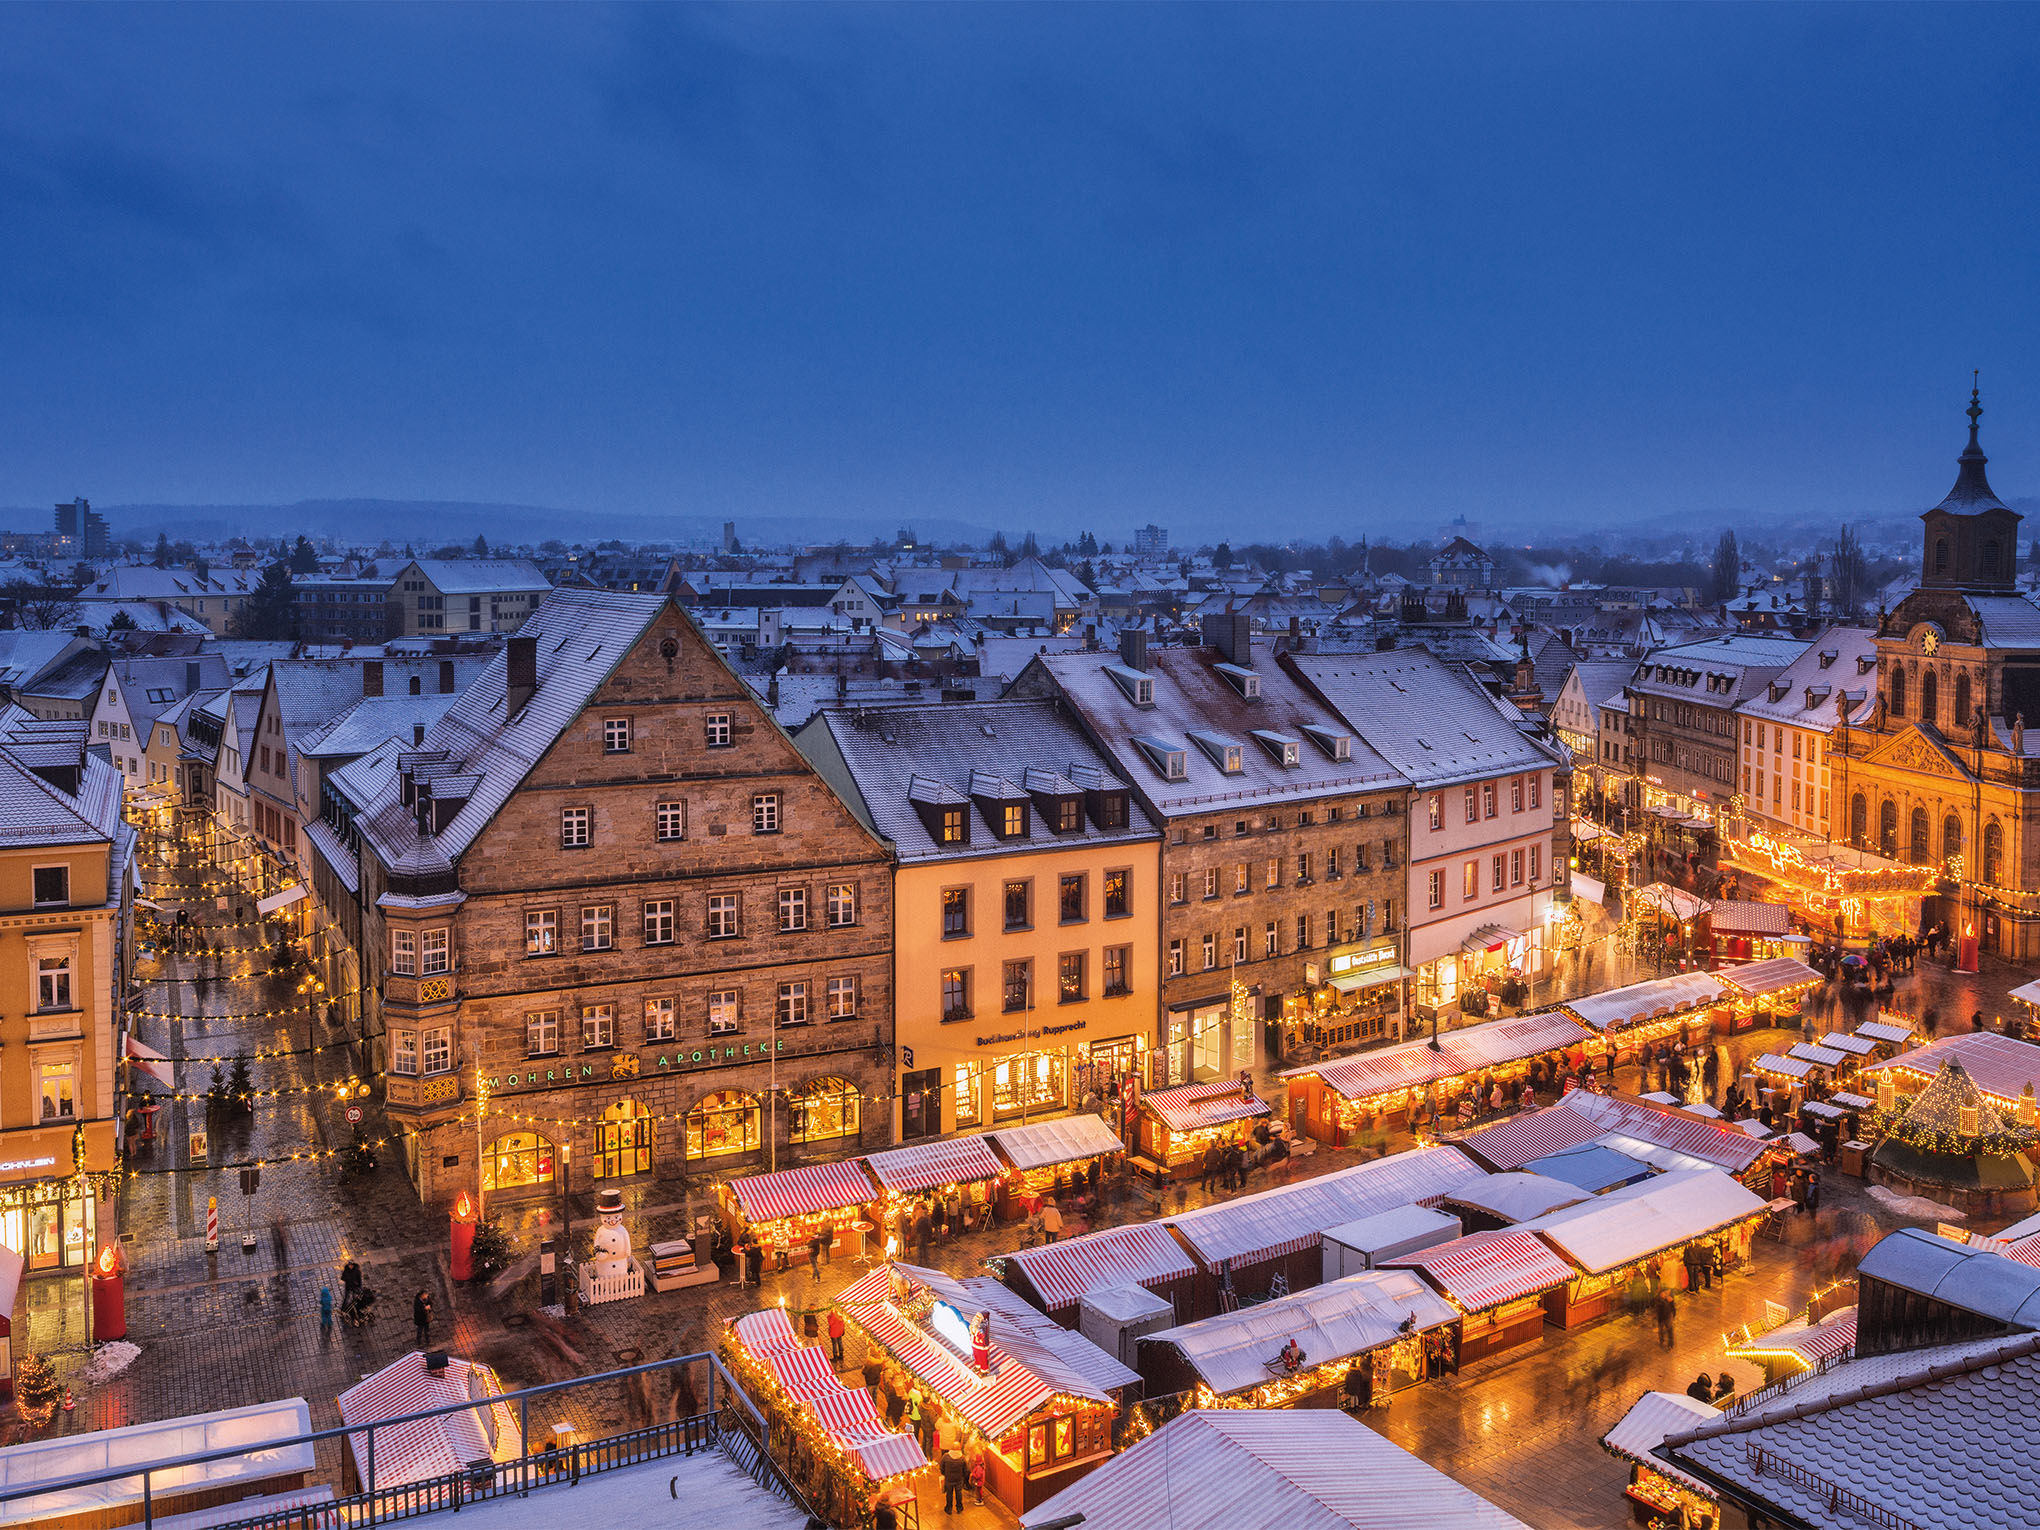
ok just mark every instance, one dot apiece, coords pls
pixel 109 1301
pixel 463 1237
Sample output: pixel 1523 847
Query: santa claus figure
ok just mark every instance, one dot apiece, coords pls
pixel 981 1343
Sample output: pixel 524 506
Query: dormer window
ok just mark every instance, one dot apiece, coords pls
pixel 1139 688
pixel 943 810
pixel 1336 745
pixel 1282 749
pixel 1004 804
pixel 1169 762
pixel 1227 755
pixel 1827 657
pixel 1243 680
pixel 954 828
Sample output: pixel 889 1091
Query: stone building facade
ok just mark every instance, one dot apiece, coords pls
pixel 607 902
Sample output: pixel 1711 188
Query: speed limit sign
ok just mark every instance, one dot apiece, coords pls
pixel 354 1115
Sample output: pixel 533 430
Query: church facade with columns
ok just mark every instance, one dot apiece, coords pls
pixel 1942 773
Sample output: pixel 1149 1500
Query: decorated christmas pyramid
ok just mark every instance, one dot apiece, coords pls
pixel 1951 1132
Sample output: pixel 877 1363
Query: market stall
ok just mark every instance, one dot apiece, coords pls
pixel 1741 930
pixel 1639 1013
pixel 1243 1245
pixel 1337 1101
pixel 1039 1432
pixel 1502 1200
pixel 1890 1033
pixel 1803 1344
pixel 1297 1350
pixel 426 1450
pixel 833 1442
pixel 1658 1491
pixel 1177 1125
pixel 1830 1064
pixel 1505 1285
pixel 1765 993
pixel 784 1211
pixel 1045 1157
pixel 2006 1071
pixel 1642 1232
pixel 913 1176
pixel 1056 1277
pixel 1650 1134
pixel 1590 1169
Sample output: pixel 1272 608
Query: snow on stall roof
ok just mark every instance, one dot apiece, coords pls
pixel 1649 1420
pixel 1635 1220
pixel 2000 1066
pixel 1301 1469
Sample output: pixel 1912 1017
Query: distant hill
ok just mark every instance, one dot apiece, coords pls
pixel 438 522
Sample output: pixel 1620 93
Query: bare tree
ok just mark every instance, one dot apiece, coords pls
pixel 1848 574
pixel 42 607
pixel 1727 568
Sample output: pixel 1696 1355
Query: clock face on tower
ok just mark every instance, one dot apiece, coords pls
pixel 1929 641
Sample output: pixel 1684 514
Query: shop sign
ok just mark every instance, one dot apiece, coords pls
pixel 682 1061
pixel 1344 962
pixel 1000 1038
pixel 21 1165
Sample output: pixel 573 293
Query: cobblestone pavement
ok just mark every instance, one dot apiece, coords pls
pixel 236 1327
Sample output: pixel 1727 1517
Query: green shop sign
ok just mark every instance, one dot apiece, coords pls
pixel 626 1065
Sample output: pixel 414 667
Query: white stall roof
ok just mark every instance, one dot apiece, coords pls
pixel 1517 1197
pixel 1043 1144
pixel 1387 1228
pixel 255 1427
pixel 1646 1426
pixel 1641 1219
pixel 1639 1001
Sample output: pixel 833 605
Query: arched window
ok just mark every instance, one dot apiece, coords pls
pixel 1987 565
pixel 1887 830
pixel 1951 837
pixel 1961 717
pixel 1897 691
pixel 520 1158
pixel 825 1109
pixel 1859 820
pixel 1930 696
pixel 623 1141
pixel 1993 852
pixel 1940 555
pixel 726 1122
pixel 1917 842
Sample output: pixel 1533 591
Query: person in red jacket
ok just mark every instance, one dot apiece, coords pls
pixel 836 1335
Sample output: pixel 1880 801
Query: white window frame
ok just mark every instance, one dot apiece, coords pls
pixel 716 730
pixel 725 1011
pixel 670 821
pixel 404 952
pixel 404 1052
pixel 725 916
pixel 793 910
pixel 661 1019
pixel 841 998
pixel 616 735
pixel 598 926
pixel 842 906
pixel 435 1050
pixel 659 922
pixel 55 977
pixel 435 951
pixel 765 815
pixel 598 1027
pixel 577 829
pixel 792 1008
pixel 541 1033
pixel 541 931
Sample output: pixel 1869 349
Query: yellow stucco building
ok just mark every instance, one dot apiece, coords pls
pixel 1025 907
pixel 66 873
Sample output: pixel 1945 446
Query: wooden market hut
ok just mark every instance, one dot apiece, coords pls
pixel 1381 1318
pixel 1041 1425
pixel 1056 1277
pixel 1177 1125
pixel 1764 993
pixel 784 1209
pixel 1505 1285
pixel 1042 1156
pixel 1250 1245
pixel 1664 1137
pixel 1683 1005
pixel 1645 1229
pixel 1658 1491
pixel 1335 1102
pixel 907 1175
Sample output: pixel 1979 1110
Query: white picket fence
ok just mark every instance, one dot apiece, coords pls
pixel 610 1288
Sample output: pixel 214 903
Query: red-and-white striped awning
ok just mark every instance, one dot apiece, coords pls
pixel 924 1165
pixel 802 1372
pixel 1489 1268
pixel 1811 1342
pixel 1512 1143
pixel 764 1332
pixel 1191 1107
pixel 802 1192
pixel 1141 1253
pixel 844 1413
pixel 991 1404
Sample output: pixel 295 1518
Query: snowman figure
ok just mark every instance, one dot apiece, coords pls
pixel 612 1239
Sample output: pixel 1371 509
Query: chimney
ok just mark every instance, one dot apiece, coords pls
pixel 446 677
pixel 521 678
pixel 842 686
pixel 192 670
pixel 1133 647
pixel 371 678
pixel 772 690
pixel 1232 634
pixel 417 734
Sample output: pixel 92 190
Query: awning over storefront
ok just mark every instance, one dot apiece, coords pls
pixel 1655 1418
pixel 1639 1220
pixel 1470 1050
pixel 1489 1268
pixel 1373 977
pixel 1488 937
pixel 147 1060
pixel 1757 980
pixel 277 900
pixel 1191 1107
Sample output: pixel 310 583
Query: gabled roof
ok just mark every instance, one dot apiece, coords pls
pixel 371 721
pixel 1426 718
pixel 34 810
pixel 580 636
pixel 479 576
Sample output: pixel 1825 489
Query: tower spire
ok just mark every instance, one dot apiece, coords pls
pixel 1972 491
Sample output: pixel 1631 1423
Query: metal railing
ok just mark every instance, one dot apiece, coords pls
pixel 1838 1499
pixel 728 1413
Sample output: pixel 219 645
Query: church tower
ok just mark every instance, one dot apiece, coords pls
pixel 1971 540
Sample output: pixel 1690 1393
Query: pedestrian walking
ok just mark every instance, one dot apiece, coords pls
pixel 421 1317
pixel 1051 1220
pixel 325 1312
pixel 1214 1163
pixel 1976 1021
pixel 1813 1190
pixel 836 1331
pixel 1667 1319
pixel 814 1253
pixel 1930 1022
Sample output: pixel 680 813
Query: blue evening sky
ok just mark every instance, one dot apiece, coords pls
pixel 1243 270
